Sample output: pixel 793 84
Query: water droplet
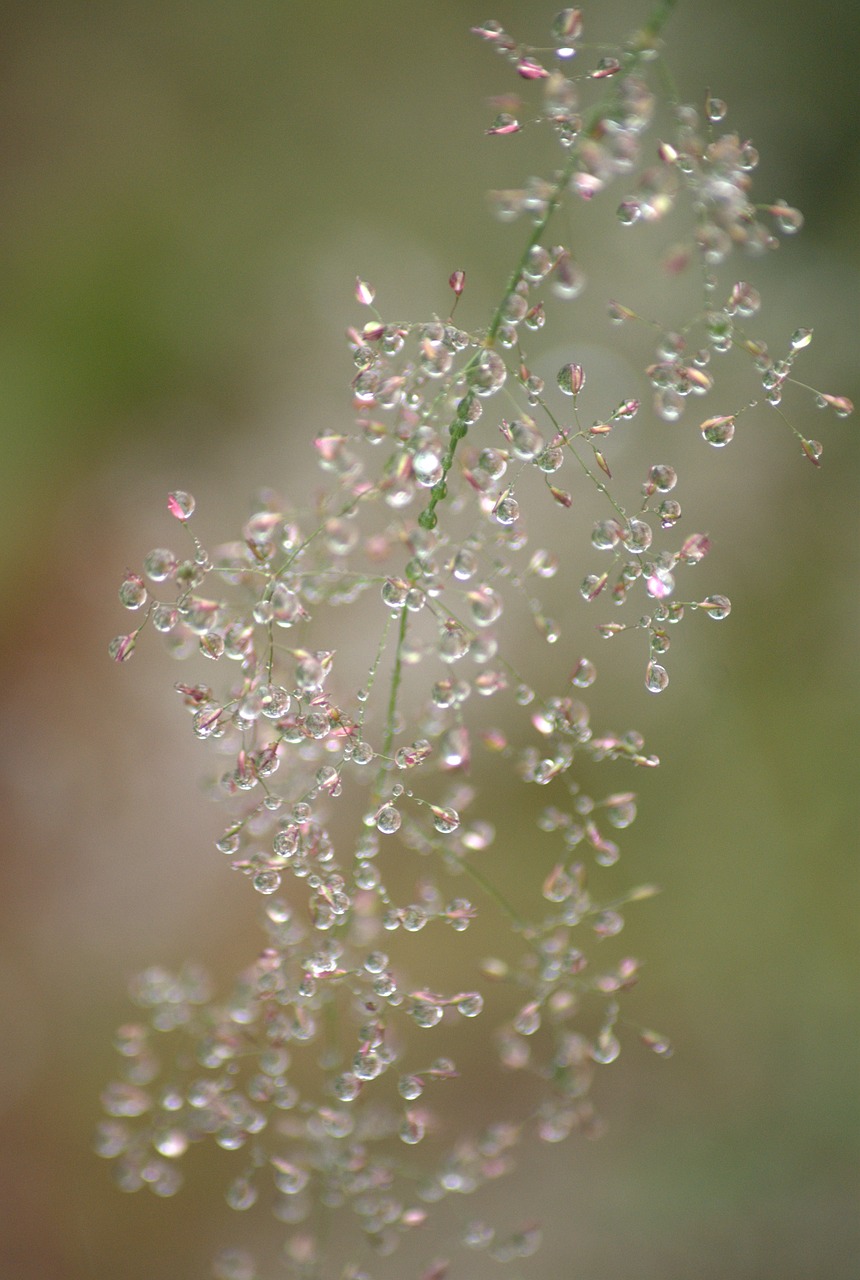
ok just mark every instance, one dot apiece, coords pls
pixel 409 757
pixel 477 1235
pixel 274 701
pixel 241 1194
pixel 413 919
pixel 584 674
pixel 346 1087
pixel 212 645
pixel 558 885
pixel 132 593
pixel 394 593
pixel 656 1043
pixel 571 379
pixel 426 1014
pixel 592 585
pixel 813 449
pixel 668 404
pixel 718 431
pixel 715 109
pixel 608 923
pixel 788 220
pixel 606 534
pixel 170 1142
pixel 234 1264
pixel 637 536
pixel 660 584
pixel 620 810
pixel 289 1178
pixel 122 647
pixel 489 373
pixel 125 1100
pixel 506 510
pixel 410 1087
pixel 367 1065
pixel 669 513
pixel 717 607
pixel 362 753
pixel 485 606
pixel 388 819
pixel 744 299
pixel 445 820
pixel 267 881
pixel 567 26
pixel 411 1132
pixel 568 278
pixel 427 467
pixel 528 1020
pixel 164 619
pixel 180 505
pixel 656 677
pixel 606 1049
pixel 526 441
pixel 469 1006
pixel 278 911
pixel 843 406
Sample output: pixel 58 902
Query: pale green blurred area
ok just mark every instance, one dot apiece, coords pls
pixel 188 191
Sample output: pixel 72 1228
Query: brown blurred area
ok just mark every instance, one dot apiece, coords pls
pixel 188 192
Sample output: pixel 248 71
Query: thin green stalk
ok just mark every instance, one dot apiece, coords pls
pixel 396 675
pixel 491 891
pixel 641 46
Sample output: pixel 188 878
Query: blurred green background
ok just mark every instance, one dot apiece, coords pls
pixel 189 190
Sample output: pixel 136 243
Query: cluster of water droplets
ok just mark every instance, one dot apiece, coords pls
pixel 355 803
pixel 714 171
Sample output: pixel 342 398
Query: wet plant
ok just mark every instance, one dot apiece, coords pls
pixel 362 809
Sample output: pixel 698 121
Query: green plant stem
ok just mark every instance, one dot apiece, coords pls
pixel 641 46
pixel 396 676
pixel 491 891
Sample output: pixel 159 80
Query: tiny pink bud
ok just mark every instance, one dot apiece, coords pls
pixel 489 31
pixel 364 292
pixel 457 281
pixel 535 316
pixel 504 124
pixel 695 548
pixel 813 450
pixel 606 67
pixel 531 69
pixel 677 259
pixel 841 404
pixel 595 587
pixel 436 1270
pixel 628 409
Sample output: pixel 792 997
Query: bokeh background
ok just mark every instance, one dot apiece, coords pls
pixel 188 192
